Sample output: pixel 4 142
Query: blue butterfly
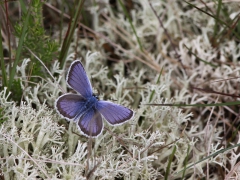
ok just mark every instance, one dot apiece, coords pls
pixel 85 108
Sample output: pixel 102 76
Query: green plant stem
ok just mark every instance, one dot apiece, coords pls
pixel 232 103
pixel 216 29
pixel 158 80
pixel 70 32
pixel 185 162
pixel 130 21
pixel 219 20
pixel 4 75
pixel 170 162
pixel 19 49
pixel 200 59
pixel 210 156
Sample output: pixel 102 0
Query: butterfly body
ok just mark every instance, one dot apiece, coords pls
pixel 85 108
pixel 89 104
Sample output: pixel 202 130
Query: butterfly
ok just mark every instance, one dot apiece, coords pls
pixel 85 108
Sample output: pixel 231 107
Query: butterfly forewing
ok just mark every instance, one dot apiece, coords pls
pixel 114 113
pixel 69 105
pixel 78 80
pixel 91 124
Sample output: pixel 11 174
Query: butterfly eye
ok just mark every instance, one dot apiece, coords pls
pixel 96 96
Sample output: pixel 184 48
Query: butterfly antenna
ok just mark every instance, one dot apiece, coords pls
pixel 44 67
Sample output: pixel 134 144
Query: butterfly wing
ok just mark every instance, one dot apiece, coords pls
pixel 77 79
pixel 115 114
pixel 69 105
pixel 91 124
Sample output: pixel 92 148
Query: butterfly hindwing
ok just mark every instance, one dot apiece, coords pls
pixel 78 80
pixel 91 124
pixel 115 114
pixel 69 105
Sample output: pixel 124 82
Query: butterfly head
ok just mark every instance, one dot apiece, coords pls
pixel 96 96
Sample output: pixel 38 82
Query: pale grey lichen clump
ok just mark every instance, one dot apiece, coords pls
pixel 37 143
